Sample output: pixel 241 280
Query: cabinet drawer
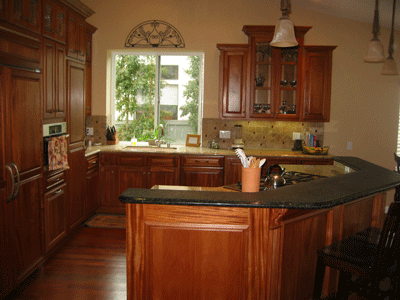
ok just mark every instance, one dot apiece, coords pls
pixel 129 159
pixel 202 161
pixel 107 159
pixel 55 180
pixel 162 160
pixel 92 161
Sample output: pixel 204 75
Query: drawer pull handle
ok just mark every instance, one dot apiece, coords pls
pixel 58 192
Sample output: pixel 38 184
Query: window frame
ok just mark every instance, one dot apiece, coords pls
pixel 158 54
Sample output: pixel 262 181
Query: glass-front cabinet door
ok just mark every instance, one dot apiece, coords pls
pixel 275 75
pixel 262 79
pixel 287 96
pixel 274 82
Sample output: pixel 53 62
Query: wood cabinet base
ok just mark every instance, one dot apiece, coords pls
pixel 188 252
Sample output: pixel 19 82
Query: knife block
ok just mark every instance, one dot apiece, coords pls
pixel 114 141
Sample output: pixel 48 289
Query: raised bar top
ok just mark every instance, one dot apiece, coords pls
pixel 365 180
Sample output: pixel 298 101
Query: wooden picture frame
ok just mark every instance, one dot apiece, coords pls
pixel 193 140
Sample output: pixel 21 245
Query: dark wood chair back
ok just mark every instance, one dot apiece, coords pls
pixel 397 159
pixel 389 242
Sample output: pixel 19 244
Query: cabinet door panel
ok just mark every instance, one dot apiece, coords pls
pixel 162 176
pixel 92 197
pixel 233 80
pixel 77 186
pixel 76 101
pixel 206 177
pixel 55 204
pixel 24 221
pixel 23 123
pixel 317 83
pixel 6 274
pixel 109 185
pixel 61 75
pixel 132 177
pixel 49 76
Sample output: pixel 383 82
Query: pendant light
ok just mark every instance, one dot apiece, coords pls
pixel 284 30
pixel 390 66
pixel 375 49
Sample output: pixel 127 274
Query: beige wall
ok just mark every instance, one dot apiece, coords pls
pixel 365 104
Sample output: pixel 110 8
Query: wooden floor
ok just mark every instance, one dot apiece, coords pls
pixel 91 266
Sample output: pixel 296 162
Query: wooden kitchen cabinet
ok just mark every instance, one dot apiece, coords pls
pixel 26 14
pixel 20 95
pixel 55 221
pixel 54 23
pixel 121 171
pixel 109 190
pixel 76 102
pixel 92 191
pixel 54 83
pixel 76 37
pixel 258 81
pixel 317 83
pixel 275 74
pixel 202 170
pixel 233 65
pixel 77 187
pixel 90 30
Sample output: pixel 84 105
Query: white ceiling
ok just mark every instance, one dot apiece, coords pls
pixel 360 10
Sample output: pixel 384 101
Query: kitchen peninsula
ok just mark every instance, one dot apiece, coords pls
pixel 232 245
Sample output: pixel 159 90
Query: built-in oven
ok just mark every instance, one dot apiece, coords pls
pixel 51 131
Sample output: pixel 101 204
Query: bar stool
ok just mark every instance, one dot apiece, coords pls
pixel 366 260
pixel 397 159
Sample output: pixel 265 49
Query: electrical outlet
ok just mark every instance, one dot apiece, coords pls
pixel 89 130
pixel 224 134
pixel 349 145
pixel 296 136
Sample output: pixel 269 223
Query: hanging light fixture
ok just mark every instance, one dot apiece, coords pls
pixel 284 30
pixel 375 48
pixel 390 66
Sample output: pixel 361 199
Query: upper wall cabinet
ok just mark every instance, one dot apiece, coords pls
pixel 26 14
pixel 233 66
pixel 54 21
pixel 265 82
pixel 317 83
pixel 76 37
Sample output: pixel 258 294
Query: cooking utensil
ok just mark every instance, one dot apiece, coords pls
pixel 262 162
pixel 240 153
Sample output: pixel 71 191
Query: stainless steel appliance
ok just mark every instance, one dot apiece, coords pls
pixel 49 131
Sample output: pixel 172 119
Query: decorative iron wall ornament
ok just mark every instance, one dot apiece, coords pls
pixel 155 33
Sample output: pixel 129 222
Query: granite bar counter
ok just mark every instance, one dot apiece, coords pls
pixel 202 244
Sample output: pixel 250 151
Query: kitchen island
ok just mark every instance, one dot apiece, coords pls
pixel 214 244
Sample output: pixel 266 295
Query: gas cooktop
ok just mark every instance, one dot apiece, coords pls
pixel 291 177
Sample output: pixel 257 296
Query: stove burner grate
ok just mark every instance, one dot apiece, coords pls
pixel 291 177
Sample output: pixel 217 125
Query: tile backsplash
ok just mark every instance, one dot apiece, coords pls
pixel 259 134
pixel 255 134
pixel 99 124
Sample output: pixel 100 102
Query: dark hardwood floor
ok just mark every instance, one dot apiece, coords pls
pixel 91 266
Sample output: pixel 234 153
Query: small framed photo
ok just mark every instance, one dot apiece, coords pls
pixel 193 140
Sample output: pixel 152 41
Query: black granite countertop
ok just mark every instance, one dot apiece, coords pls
pixel 367 179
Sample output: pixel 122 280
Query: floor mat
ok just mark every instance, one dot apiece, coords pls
pixel 107 221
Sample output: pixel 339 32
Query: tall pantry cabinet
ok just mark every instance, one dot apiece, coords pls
pixel 39 84
pixel 22 174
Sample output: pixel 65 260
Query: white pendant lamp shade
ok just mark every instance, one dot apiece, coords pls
pixel 375 53
pixel 389 67
pixel 284 33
